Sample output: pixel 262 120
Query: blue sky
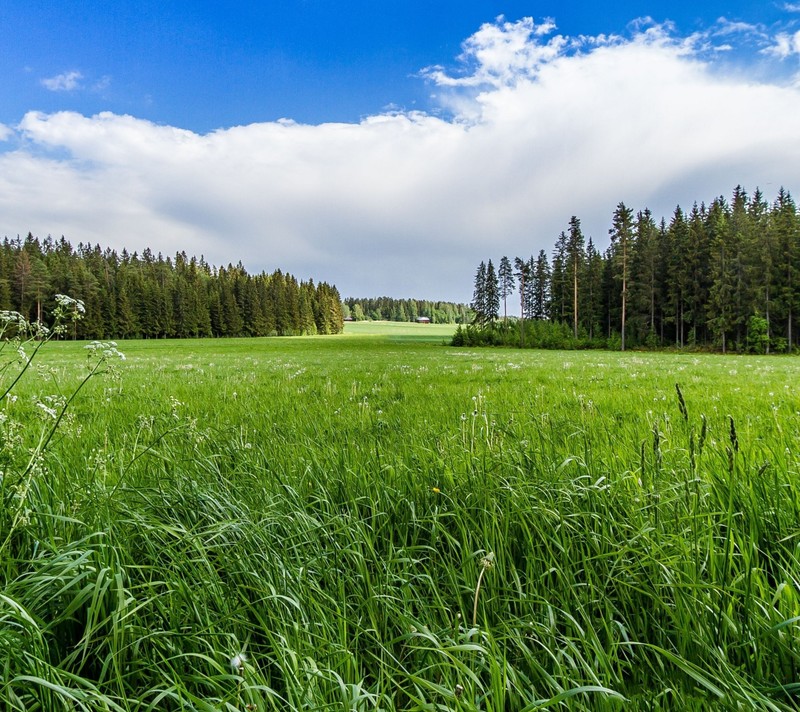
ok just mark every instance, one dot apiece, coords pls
pixel 206 65
pixel 369 143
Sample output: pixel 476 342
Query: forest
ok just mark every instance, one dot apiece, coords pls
pixel 150 296
pixel 392 309
pixel 722 276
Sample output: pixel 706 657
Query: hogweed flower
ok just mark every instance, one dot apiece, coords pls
pixel 51 412
pixel 105 350
pixel 12 317
pixel 68 303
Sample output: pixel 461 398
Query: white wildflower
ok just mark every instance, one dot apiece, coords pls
pixel 69 303
pixel 237 662
pixel 49 411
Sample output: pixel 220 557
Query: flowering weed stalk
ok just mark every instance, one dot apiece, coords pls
pixel 487 562
pixel 100 359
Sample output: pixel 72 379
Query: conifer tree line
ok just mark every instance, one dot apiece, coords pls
pixel 723 276
pixel 150 296
pixel 390 309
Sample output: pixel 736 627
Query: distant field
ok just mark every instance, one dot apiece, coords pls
pixel 380 522
pixel 402 330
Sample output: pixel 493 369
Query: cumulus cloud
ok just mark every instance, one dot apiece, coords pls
pixel 5 132
pixel 407 203
pixel 66 81
pixel 502 53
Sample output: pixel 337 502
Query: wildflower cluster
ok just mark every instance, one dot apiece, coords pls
pixel 101 357
pixel 104 349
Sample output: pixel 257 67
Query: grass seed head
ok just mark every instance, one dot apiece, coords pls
pixel 237 662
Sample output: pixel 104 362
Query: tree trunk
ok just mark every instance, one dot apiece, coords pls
pixel 522 312
pixel 575 303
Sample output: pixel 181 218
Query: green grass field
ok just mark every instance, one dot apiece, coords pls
pixel 376 521
pixel 405 331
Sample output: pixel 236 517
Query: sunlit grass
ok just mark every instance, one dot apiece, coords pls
pixel 325 506
pixel 407 331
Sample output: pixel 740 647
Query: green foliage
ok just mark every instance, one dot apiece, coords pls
pixel 757 335
pixel 133 296
pixel 390 309
pixel 536 334
pixel 692 283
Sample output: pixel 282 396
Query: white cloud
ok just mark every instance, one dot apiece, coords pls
pixel 67 81
pixel 792 6
pixel 729 27
pixel 545 27
pixel 785 45
pixel 502 53
pixel 407 204
pixel 5 132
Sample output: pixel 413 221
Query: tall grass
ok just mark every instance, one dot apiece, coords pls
pixel 365 524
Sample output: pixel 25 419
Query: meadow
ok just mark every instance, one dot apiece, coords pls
pixel 378 521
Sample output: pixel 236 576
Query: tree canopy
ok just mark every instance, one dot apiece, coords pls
pixel 152 296
pixel 724 275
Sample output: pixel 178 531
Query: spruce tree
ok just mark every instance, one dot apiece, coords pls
pixel 786 230
pixel 644 285
pixel 576 254
pixel 522 274
pixel 720 307
pixel 621 233
pixel 541 287
pixel 761 256
pixel 479 295
pixel 678 236
pixel 559 283
pixel 492 290
pixel 506 280
pixel 593 290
